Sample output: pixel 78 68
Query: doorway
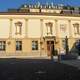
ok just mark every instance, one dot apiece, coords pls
pixel 50 48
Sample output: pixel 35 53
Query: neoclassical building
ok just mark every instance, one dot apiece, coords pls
pixel 31 30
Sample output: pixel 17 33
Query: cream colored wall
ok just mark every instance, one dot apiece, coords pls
pixel 4 28
pixel 34 28
pixel 14 28
pixel 26 44
pixel 10 47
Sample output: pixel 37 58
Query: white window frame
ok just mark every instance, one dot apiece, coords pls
pixel 2 45
pixel 76 29
pixel 18 45
pixel 63 27
pixel 49 27
pixel 34 45
pixel 18 26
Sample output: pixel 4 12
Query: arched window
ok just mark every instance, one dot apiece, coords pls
pixel 18 26
pixel 49 26
pixel 76 28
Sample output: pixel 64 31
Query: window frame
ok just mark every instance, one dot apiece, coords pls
pixel 49 27
pixel 63 27
pixel 2 45
pixel 18 45
pixel 18 26
pixel 35 45
pixel 76 28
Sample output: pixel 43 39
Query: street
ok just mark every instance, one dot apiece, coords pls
pixel 37 69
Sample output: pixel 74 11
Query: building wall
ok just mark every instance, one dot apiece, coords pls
pixel 34 28
pixel 4 28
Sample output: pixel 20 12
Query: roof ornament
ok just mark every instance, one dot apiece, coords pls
pixel 29 6
pixel 25 5
pixel 52 5
pixel 38 4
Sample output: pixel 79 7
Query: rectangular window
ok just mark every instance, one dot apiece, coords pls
pixel 18 45
pixel 2 45
pixel 76 28
pixel 49 26
pixel 34 45
pixel 63 27
pixel 18 26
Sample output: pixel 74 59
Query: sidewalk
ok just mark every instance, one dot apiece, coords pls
pixel 75 63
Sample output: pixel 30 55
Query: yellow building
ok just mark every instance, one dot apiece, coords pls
pixel 31 30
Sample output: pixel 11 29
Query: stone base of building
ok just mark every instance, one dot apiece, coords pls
pixel 25 56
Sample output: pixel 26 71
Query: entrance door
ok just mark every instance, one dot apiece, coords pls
pixel 50 48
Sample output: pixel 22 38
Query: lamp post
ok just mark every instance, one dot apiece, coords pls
pixel 41 48
pixel 66 45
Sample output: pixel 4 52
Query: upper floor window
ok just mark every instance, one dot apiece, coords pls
pixel 18 45
pixel 76 28
pixel 63 27
pixel 49 26
pixel 18 27
pixel 2 45
pixel 34 45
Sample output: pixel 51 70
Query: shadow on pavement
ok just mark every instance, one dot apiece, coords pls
pixel 36 69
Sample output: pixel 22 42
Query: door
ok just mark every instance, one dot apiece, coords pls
pixel 50 48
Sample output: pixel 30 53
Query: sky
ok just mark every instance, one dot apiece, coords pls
pixel 7 4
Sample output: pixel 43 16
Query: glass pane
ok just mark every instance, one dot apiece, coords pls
pixel 34 45
pixel 18 45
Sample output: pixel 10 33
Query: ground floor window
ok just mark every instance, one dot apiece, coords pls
pixel 18 45
pixel 2 45
pixel 34 45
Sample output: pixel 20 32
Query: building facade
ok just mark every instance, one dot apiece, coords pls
pixel 31 31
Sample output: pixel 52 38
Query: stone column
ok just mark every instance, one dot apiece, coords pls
pixel 10 29
pixel 41 28
pixel 70 35
pixel 56 27
pixel 41 37
pixel 26 28
pixel 57 44
pixel 70 30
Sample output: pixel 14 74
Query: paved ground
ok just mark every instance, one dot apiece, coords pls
pixel 75 63
pixel 36 69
